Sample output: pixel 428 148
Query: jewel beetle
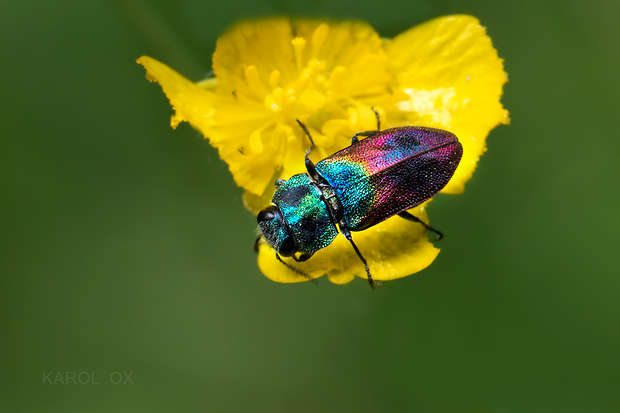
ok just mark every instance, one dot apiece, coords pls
pixel 373 179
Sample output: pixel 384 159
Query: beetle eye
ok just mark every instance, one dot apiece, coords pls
pixel 266 215
pixel 288 247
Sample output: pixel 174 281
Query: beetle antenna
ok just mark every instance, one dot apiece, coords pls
pixel 300 272
pixel 309 164
pixel 307 134
pixel 378 118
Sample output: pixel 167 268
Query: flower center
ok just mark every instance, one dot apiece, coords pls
pixel 303 95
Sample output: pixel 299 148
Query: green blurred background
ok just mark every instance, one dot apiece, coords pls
pixel 126 250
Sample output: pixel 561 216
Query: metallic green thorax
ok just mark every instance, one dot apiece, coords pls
pixel 305 213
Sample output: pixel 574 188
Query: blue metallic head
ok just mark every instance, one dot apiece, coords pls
pixel 275 231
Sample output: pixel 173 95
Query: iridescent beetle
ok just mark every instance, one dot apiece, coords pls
pixel 357 187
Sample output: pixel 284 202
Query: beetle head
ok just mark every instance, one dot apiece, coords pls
pixel 276 232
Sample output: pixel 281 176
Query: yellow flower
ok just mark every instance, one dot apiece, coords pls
pixel 268 73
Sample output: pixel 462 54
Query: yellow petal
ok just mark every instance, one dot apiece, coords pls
pixel 394 248
pixel 453 77
pixel 264 43
pixel 191 102
pixel 196 104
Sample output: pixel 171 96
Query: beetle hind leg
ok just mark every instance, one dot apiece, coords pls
pixel 347 235
pixel 355 138
pixel 377 117
pixel 406 215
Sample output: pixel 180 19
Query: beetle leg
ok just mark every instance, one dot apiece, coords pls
pixel 290 267
pixel 309 164
pixel 347 234
pixel 378 119
pixel 302 257
pixel 300 272
pixel 406 215
pixel 310 167
pixel 355 139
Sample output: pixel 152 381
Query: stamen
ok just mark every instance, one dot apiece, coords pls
pixel 318 38
pixel 312 100
pixel 279 138
pixel 274 79
pixel 253 81
pixel 299 43
pixel 336 78
pixel 256 143
pixel 274 100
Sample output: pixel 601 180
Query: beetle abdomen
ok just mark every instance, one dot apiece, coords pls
pixel 389 172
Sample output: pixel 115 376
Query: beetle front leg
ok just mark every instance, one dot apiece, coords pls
pixel 290 267
pixel 347 234
pixel 302 257
pixel 309 164
pixel 296 270
pixel 406 215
